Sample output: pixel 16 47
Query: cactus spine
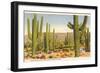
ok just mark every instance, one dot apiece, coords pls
pixel 77 30
pixel 28 28
pixel 34 34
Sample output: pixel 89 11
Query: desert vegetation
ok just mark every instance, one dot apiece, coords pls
pixel 39 45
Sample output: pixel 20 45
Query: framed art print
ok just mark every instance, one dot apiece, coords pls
pixel 52 36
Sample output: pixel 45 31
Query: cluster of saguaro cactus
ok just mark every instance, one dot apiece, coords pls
pixel 68 40
pixel 40 39
pixel 36 32
pixel 77 29
pixel 48 41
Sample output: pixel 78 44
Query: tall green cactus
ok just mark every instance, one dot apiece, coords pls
pixel 46 39
pixel 28 28
pixel 41 26
pixel 76 36
pixel 53 39
pixel 69 40
pixel 66 41
pixel 77 28
pixel 87 40
pixel 44 42
pixel 34 34
pixel 49 38
pixel 37 29
pixel 40 37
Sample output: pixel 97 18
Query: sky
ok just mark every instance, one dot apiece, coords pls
pixel 57 22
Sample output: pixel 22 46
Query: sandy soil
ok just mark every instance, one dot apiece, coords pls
pixel 54 55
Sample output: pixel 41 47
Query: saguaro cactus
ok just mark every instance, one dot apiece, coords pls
pixel 46 39
pixel 40 36
pixel 87 40
pixel 28 28
pixel 49 38
pixel 34 34
pixel 77 28
pixel 41 26
pixel 69 40
pixel 37 29
pixel 53 39
pixel 66 41
pixel 76 36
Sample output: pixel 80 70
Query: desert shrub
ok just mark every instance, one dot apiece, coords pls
pixel 27 42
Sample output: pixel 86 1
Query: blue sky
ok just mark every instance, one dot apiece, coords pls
pixel 58 22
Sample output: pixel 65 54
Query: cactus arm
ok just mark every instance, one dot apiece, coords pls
pixel 70 25
pixel 84 23
pixel 85 20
